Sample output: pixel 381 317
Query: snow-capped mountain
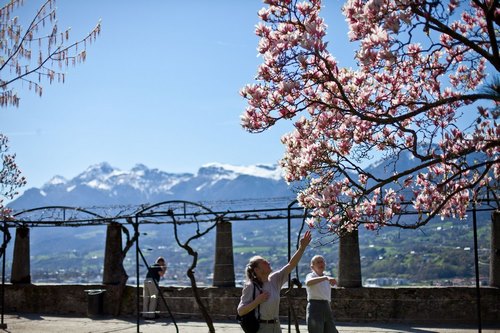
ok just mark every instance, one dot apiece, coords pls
pixel 103 184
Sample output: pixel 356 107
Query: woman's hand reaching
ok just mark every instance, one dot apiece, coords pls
pixel 305 240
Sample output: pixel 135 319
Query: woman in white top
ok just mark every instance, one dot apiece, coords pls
pixel 319 314
pixel 268 284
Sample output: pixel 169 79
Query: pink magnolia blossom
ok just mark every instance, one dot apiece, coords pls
pixel 421 69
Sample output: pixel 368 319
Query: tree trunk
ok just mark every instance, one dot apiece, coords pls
pixel 190 271
pixel 190 274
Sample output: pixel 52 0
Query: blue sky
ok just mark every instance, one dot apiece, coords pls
pixel 159 87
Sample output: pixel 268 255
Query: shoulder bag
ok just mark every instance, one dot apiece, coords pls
pixel 249 322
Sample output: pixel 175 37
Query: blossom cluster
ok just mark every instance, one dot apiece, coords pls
pixel 421 69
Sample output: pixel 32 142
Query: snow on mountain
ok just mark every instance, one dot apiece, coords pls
pixel 106 178
pixel 103 184
pixel 57 180
pixel 217 172
pixel 94 172
pixel 259 170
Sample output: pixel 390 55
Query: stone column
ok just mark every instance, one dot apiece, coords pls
pixel 224 261
pixel 495 250
pixel 349 261
pixel 113 256
pixel 21 272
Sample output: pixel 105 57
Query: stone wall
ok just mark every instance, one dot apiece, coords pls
pixel 427 304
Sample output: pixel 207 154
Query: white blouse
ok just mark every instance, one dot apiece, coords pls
pixel 318 291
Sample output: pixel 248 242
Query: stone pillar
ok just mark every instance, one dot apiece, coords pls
pixel 21 272
pixel 495 250
pixel 349 261
pixel 224 261
pixel 113 255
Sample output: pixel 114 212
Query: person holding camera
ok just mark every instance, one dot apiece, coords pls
pixel 151 290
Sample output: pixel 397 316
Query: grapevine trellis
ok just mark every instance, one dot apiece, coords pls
pixel 178 212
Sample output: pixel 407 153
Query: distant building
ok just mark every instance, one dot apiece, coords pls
pixel 385 282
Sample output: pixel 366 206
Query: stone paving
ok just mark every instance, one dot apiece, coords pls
pixel 32 323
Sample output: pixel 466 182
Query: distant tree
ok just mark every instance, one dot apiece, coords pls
pixel 39 51
pixel 10 176
pixel 28 56
pixel 426 84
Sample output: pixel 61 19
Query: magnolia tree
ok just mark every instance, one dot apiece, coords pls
pixel 426 85
pixel 29 55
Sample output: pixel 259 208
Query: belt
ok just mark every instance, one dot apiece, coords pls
pixel 270 321
pixel 319 300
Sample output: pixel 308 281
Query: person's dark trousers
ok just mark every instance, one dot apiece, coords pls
pixel 319 317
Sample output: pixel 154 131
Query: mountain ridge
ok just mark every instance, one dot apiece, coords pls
pixel 102 184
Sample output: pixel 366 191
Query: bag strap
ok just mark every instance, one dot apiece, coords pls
pixel 258 307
